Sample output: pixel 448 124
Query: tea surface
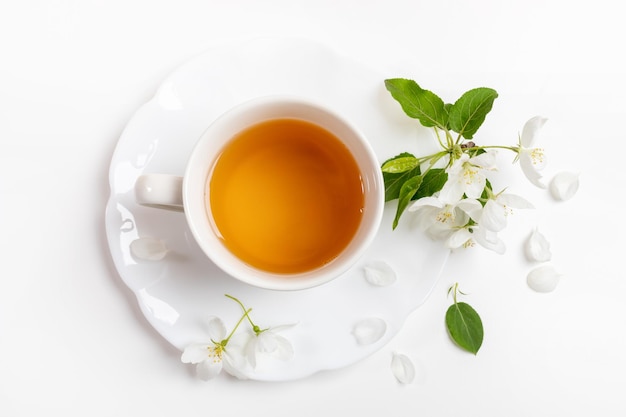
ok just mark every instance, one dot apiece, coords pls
pixel 286 196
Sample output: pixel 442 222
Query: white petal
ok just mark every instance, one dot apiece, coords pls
pixel 217 329
pixel 235 362
pixel 195 353
pixel 208 369
pixel 459 238
pixel 475 188
pixel 537 247
pixel 274 345
pixel 544 278
pixel 402 368
pixel 148 249
pixel 472 207
pixel 515 201
pixel 251 350
pixel 452 191
pixel 438 231
pixel 564 185
pixel 485 160
pixel 457 166
pixel 369 330
pixel 426 202
pixel 529 170
pixel 493 217
pixel 281 327
pixel 379 273
pixel 531 130
pixel 489 240
pixel 426 217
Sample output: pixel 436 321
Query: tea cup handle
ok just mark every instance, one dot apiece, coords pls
pixel 160 191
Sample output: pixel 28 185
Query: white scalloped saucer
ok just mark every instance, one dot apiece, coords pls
pixel 178 293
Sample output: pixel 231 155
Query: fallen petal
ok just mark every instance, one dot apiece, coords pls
pixel 369 330
pixel 544 278
pixel 148 249
pixel 379 273
pixel 402 368
pixel 564 185
pixel 537 247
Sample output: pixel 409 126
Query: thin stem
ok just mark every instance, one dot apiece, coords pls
pixel 254 326
pixel 434 158
pixel 256 329
pixel 439 138
pixel 245 314
pixel 449 139
pixel 508 148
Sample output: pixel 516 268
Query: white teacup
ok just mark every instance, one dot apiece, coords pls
pixel 279 192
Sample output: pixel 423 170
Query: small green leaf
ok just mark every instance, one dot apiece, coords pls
pixel 418 103
pixel 465 326
pixel 400 164
pixel 433 182
pixel 394 181
pixel 407 191
pixel 470 110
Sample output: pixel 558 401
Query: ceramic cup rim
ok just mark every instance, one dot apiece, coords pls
pixel 253 111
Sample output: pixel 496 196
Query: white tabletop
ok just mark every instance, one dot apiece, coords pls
pixel 72 337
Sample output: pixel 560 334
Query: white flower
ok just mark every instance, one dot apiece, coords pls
pixel 537 247
pixel 269 343
pixel 469 235
pixel 211 356
pixel 440 219
pixel 532 159
pixel 451 223
pixel 467 176
pixel 564 185
pixel 498 208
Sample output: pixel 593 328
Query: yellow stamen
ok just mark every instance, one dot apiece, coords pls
pixel 445 216
pixel 469 174
pixel 469 244
pixel 215 352
pixel 536 155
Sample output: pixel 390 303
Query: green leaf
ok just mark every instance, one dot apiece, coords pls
pixel 469 111
pixel 465 326
pixel 418 103
pixel 400 164
pixel 433 182
pixel 407 191
pixel 394 181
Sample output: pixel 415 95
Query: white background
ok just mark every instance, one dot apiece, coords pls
pixel 72 339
